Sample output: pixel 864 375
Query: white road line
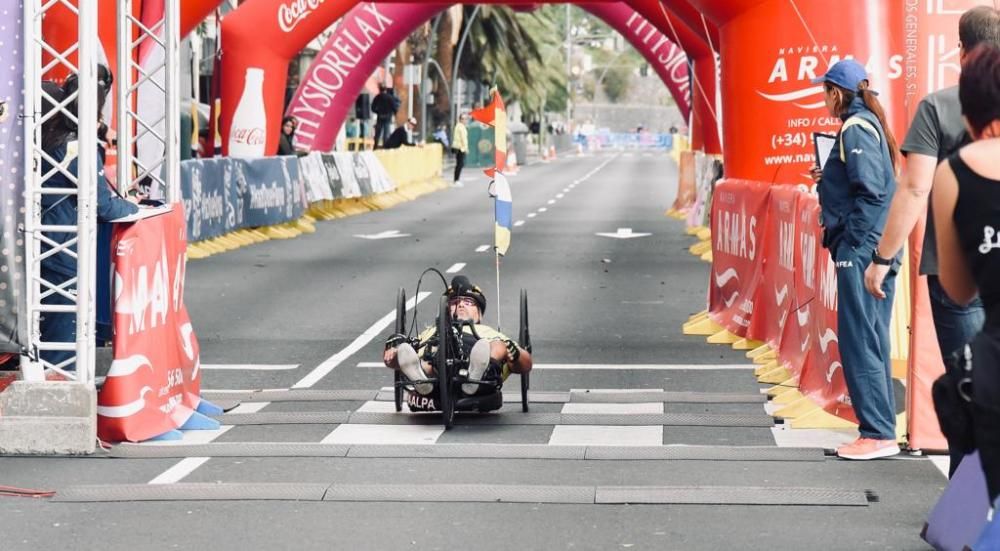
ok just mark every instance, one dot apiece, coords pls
pixel 552 201
pixel 566 190
pixel 543 209
pixel 519 223
pixel 622 367
pixel 532 214
pixel 242 390
pixel 251 367
pixel 328 365
pixel 482 248
pixel 384 434
pixel 610 409
pixel 187 465
pixel 560 195
pixel 600 435
pixel 455 267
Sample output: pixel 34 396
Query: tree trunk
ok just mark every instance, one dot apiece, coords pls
pixel 445 56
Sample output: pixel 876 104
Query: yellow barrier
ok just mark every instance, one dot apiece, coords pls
pixel 415 171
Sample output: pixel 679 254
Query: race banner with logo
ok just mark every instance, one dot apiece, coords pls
pixel 314 175
pixel 205 190
pixel 362 175
pixel 777 295
pixel 378 177
pixel 154 382
pixel 298 186
pixel 739 217
pixel 336 183
pixel 822 379
pixel 797 335
pixel 269 197
pixel 348 179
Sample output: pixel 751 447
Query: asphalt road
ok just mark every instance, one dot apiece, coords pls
pixel 599 306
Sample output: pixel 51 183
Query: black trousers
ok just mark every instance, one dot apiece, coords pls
pixel 459 164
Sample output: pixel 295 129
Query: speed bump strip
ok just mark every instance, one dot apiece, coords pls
pixel 705 453
pixel 192 492
pixel 518 418
pixel 468 451
pixel 295 395
pixel 731 495
pixel 666 397
pixel 466 493
pixel 477 493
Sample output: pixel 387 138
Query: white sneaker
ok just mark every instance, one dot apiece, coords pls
pixel 479 360
pixel 458 183
pixel 409 364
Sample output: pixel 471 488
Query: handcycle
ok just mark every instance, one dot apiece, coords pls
pixel 451 363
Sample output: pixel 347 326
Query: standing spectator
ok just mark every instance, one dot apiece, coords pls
pixel 59 141
pixel 402 135
pixel 286 142
pixel 855 188
pixel 384 106
pixel 936 132
pixel 460 145
pixel 966 207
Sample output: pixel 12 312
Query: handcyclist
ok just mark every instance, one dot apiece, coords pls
pixel 492 356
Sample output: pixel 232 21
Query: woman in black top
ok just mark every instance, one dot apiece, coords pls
pixel 966 204
pixel 286 142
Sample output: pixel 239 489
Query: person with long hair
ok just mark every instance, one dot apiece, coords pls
pixel 855 188
pixel 59 141
pixel 966 203
pixel 286 141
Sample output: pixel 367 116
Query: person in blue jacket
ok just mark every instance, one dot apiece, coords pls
pixel 855 189
pixel 59 141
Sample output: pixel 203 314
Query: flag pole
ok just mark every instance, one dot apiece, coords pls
pixel 496 253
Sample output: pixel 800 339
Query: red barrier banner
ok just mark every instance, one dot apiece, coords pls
pixel 739 216
pixel 776 295
pixel 797 334
pixel 822 378
pixel 154 382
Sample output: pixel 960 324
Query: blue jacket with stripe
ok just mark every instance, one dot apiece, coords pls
pixel 858 181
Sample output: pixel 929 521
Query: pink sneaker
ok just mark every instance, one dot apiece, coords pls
pixel 868 448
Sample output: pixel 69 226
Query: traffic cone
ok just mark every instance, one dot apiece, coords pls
pixel 511 168
pixel 552 152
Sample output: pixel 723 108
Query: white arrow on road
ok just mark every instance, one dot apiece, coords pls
pixel 388 234
pixel 624 233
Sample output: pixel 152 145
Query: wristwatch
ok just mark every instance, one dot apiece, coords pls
pixel 876 259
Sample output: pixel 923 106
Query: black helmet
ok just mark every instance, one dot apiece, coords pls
pixel 462 287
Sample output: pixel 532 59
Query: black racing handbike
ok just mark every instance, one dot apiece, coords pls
pixel 451 362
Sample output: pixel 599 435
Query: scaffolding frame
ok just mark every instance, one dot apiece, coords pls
pixel 164 129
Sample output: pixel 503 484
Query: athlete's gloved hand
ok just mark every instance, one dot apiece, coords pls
pixel 513 352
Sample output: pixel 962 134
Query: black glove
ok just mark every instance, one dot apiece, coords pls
pixel 512 350
pixel 394 340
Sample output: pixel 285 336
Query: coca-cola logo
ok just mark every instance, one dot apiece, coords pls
pixel 292 13
pixel 249 136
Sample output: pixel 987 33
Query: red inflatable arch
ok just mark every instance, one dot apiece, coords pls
pixel 261 37
pixel 326 95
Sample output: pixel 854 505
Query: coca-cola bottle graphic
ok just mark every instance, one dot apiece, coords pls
pixel 247 135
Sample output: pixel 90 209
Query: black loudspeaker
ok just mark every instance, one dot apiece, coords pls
pixel 363 107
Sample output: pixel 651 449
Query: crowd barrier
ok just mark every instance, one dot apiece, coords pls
pixel 773 291
pixel 233 202
pixel 626 140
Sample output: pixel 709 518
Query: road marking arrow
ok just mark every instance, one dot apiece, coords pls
pixel 624 233
pixel 388 234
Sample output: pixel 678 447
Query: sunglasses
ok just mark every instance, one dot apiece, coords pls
pixel 462 301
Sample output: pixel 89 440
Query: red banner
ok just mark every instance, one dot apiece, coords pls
pixel 154 382
pixel 797 334
pixel 822 377
pixel 739 216
pixel 778 275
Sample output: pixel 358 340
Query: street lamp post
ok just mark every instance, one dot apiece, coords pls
pixel 458 61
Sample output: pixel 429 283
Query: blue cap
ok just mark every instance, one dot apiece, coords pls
pixel 846 73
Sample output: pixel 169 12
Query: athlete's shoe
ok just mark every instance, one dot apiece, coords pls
pixel 409 364
pixel 868 448
pixel 479 360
